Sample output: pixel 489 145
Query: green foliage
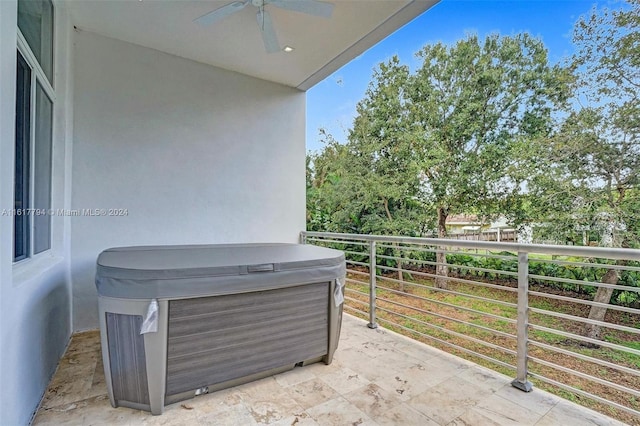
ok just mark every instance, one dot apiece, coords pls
pixel 590 170
pixel 631 279
pixel 443 139
pixel 371 184
pixel 472 107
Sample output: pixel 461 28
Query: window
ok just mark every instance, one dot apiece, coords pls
pixel 35 20
pixel 23 113
pixel 34 129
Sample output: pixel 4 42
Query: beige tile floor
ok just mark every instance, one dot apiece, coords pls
pixel 377 378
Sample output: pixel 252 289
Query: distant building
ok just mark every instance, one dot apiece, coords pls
pixel 470 226
pixel 464 223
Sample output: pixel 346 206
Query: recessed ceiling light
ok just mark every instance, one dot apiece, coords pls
pixel 288 49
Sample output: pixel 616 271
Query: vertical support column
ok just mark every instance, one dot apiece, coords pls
pixel 303 238
pixel 523 324
pixel 372 285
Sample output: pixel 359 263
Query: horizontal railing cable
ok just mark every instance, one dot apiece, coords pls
pixel 450 305
pixel 353 271
pixel 355 243
pixel 603 363
pixel 585 339
pixel 357 282
pixel 584 302
pixel 351 308
pixel 585 376
pixel 454 279
pixel 449 344
pixel 454 252
pixel 585 320
pixel 589 265
pixel 353 262
pixel 450 265
pixel 351 299
pixel 442 290
pixel 585 394
pixel 459 321
pixel 362 293
pixel 584 283
pixel 450 332
pixel 356 253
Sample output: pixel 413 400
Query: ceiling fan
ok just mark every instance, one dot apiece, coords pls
pixel 310 7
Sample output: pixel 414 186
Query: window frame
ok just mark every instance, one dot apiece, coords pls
pixel 38 78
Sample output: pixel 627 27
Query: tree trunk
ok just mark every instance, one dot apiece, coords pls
pixel 442 270
pixel 603 295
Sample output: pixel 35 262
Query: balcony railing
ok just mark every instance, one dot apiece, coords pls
pixel 524 310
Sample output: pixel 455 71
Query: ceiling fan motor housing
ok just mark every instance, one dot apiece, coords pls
pixel 310 7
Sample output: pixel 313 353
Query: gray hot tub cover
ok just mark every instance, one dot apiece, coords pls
pixel 167 272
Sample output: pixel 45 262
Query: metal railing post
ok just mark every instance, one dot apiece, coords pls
pixel 521 381
pixel 372 285
pixel 303 238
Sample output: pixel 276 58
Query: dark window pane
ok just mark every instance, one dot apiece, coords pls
pixel 35 20
pixel 42 171
pixel 21 190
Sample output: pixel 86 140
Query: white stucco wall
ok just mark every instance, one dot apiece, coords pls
pixel 194 153
pixel 35 305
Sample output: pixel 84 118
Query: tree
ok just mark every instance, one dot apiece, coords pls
pixel 384 171
pixel 322 179
pixel 446 139
pixel 589 178
pixel 470 108
pixel 599 142
pixel 371 184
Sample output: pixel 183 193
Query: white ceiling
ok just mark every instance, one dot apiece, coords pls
pixel 235 43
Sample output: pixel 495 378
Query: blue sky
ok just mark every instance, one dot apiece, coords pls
pixel 331 103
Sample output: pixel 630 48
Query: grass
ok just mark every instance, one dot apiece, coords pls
pixel 420 300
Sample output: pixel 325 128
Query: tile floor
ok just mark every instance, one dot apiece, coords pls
pixel 377 378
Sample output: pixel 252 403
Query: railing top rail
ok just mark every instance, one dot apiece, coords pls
pixel 602 252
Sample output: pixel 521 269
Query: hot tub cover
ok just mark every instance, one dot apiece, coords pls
pixel 148 272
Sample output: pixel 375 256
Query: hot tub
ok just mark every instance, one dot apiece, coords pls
pixel 179 321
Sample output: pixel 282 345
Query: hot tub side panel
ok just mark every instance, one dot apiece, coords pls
pixel 121 347
pixel 218 339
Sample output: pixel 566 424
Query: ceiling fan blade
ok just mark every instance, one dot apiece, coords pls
pixel 311 7
pixel 221 13
pixel 268 33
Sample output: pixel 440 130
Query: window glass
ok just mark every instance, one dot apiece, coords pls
pixel 42 172
pixel 35 20
pixel 21 189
